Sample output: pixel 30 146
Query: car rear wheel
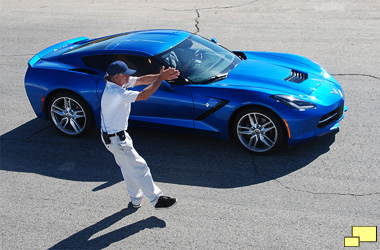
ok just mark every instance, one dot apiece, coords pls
pixel 70 114
pixel 258 130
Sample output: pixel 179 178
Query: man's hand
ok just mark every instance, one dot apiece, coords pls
pixel 169 73
pixel 165 74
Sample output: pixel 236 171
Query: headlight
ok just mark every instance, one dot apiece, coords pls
pixel 293 102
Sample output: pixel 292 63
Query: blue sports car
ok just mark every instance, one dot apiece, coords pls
pixel 262 100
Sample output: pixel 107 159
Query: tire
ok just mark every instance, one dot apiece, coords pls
pixel 70 114
pixel 258 130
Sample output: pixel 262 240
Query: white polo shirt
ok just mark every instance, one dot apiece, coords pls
pixel 116 106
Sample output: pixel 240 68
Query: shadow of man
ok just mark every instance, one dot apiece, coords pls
pixel 81 240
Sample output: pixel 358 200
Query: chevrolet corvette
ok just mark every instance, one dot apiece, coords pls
pixel 261 100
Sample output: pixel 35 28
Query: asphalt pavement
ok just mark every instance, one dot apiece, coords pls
pixel 61 193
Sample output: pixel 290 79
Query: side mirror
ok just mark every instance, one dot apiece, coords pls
pixel 167 85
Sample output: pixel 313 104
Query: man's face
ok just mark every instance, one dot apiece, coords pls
pixel 121 79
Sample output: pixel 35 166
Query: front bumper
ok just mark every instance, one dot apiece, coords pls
pixel 319 125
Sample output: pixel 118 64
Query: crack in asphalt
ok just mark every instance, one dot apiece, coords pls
pixel 324 193
pixel 356 75
pixel 214 7
pixel 209 8
pixel 37 132
pixel 197 21
pixel 32 139
pixel 257 172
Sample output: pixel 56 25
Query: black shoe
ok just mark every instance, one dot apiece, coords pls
pixel 131 205
pixel 165 202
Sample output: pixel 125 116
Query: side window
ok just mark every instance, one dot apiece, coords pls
pixel 99 62
pixel 142 65
pixel 145 66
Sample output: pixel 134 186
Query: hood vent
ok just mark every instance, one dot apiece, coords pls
pixel 296 76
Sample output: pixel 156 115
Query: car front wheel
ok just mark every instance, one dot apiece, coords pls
pixel 70 114
pixel 258 130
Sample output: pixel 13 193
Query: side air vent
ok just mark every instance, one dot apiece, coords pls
pixel 212 110
pixel 296 76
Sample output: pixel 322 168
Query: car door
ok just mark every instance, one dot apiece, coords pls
pixel 171 104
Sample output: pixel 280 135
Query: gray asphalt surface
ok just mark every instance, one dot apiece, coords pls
pixel 62 193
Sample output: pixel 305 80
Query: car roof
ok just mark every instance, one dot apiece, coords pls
pixel 148 41
pixel 144 42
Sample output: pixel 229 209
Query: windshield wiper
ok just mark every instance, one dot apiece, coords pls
pixel 215 78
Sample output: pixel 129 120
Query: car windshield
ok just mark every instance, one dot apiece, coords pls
pixel 200 60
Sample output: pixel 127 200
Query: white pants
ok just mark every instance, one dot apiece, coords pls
pixel 135 170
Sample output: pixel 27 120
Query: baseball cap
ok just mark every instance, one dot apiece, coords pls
pixel 119 67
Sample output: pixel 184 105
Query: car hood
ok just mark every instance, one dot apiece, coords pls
pixel 271 75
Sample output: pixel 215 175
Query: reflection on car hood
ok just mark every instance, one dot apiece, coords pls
pixel 255 74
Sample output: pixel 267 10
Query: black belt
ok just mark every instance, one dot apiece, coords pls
pixel 120 134
pixel 117 133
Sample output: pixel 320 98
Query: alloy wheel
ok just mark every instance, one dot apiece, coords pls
pixel 68 115
pixel 257 132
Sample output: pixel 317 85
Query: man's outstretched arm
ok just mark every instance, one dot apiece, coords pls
pixel 165 74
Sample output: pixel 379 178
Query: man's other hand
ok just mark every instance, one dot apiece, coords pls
pixel 169 73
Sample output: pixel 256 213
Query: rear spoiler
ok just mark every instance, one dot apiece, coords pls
pixel 46 51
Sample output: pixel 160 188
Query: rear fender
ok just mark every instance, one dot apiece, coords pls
pixel 46 51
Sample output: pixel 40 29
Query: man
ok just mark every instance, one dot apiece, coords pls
pixel 115 109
